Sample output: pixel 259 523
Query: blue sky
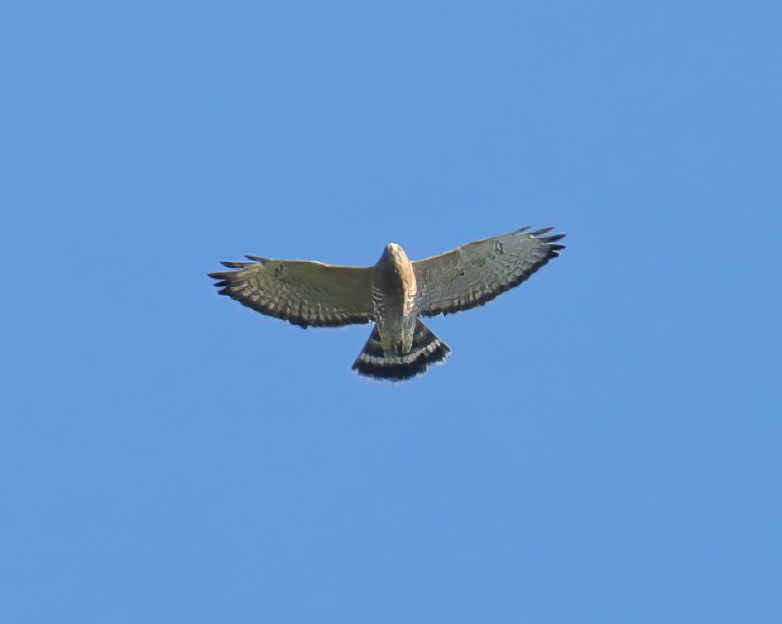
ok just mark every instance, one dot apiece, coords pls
pixel 601 446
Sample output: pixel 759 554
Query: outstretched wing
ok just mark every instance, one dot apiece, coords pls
pixel 476 273
pixel 303 293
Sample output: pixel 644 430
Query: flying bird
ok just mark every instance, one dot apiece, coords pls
pixel 394 294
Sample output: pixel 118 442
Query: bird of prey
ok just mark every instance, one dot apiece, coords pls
pixel 394 294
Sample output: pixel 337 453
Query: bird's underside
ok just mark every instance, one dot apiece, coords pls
pixel 393 294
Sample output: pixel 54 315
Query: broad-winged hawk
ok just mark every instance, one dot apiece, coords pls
pixel 394 294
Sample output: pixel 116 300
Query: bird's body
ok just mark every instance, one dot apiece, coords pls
pixel 394 294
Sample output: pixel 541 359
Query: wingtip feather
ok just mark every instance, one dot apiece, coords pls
pixel 541 231
pixel 234 265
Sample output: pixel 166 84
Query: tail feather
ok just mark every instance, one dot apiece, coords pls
pixel 427 349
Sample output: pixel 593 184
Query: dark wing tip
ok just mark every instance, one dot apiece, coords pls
pixel 235 265
pixel 553 246
pixel 222 282
pixel 551 239
pixel 541 231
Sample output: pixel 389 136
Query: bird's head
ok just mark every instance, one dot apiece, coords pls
pixel 395 259
pixel 395 252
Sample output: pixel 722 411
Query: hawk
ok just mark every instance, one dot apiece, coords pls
pixel 394 294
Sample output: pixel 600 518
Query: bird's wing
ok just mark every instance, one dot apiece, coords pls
pixel 302 293
pixel 476 273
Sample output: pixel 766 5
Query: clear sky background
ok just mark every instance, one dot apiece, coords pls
pixel 603 445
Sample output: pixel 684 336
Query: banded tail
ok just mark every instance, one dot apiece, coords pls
pixel 427 349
